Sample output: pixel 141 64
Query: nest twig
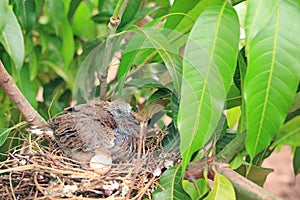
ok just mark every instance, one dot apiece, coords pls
pixel 39 172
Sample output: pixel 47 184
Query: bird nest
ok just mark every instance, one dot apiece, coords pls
pixel 36 171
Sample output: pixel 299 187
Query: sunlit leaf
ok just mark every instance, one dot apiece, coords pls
pixel 171 184
pixel 4 132
pixel 26 13
pixel 154 39
pixel 289 133
pixel 273 68
pixel 3 14
pixel 197 188
pixel 222 189
pixel 184 23
pixel 208 68
pixel 131 10
pixel 68 46
pixel 72 9
pixel 12 40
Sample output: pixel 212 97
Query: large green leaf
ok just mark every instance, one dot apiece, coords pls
pixel 184 23
pixel 210 61
pixel 153 39
pixel 68 46
pixel 289 133
pixel 26 13
pixel 222 189
pixel 132 9
pixel 273 68
pixel 296 161
pixel 3 14
pixel 12 39
pixel 172 186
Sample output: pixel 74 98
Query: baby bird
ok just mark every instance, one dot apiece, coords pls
pixel 100 133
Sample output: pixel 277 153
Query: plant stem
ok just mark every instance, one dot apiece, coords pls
pixel 245 187
pixel 232 149
pixel 12 90
pixel 242 185
pixel 108 54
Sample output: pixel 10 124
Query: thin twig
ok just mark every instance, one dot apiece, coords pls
pixel 11 187
pixel 12 90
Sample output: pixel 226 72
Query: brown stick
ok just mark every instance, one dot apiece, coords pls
pixel 12 90
pixel 241 184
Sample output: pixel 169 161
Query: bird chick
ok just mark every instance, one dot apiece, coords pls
pixel 98 132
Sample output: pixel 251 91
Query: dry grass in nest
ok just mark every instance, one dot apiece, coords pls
pixel 34 171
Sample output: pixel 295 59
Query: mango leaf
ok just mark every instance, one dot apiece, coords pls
pixel 193 9
pixel 154 39
pixel 296 104
pixel 171 183
pixel 68 46
pixel 56 14
pixel 12 40
pixel 26 13
pixel 234 97
pixel 273 68
pixel 209 63
pixel 27 87
pixel 296 161
pixel 130 12
pixel 222 188
pixel 256 174
pixel 72 9
pixel 289 133
pixel 3 14
pixel 159 94
pixel 196 189
pixel 4 132
pixel 83 25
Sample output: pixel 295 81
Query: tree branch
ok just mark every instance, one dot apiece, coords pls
pixel 242 185
pixel 12 90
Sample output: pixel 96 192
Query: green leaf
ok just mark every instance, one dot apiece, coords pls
pixel 210 60
pixel 159 94
pixel 83 25
pixel 12 40
pixel 184 23
pixel 171 184
pixel 26 13
pixel 296 161
pixel 234 97
pixel 101 18
pixel 296 104
pixel 289 133
pixel 72 9
pixel 222 189
pixel 256 174
pixel 4 132
pixel 56 14
pixel 273 68
pixel 34 58
pixel 3 14
pixel 131 11
pixel 196 189
pixel 68 46
pixel 158 39
pixel 27 87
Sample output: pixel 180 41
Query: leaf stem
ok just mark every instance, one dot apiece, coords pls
pixel 232 149
pixel 108 54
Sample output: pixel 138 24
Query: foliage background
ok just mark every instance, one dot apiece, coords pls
pixel 189 62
